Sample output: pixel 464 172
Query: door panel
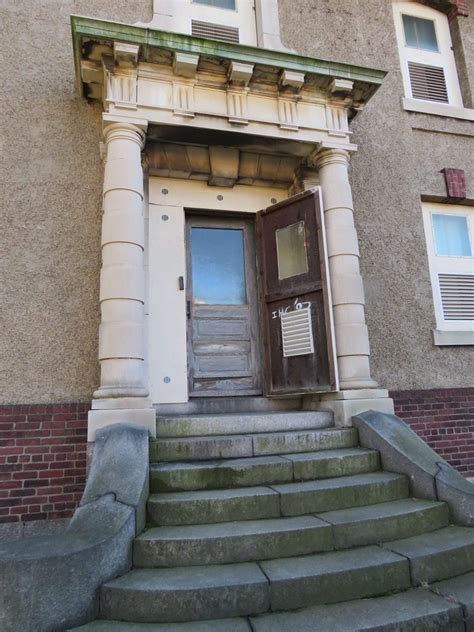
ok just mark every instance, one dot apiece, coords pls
pixel 223 356
pixel 296 312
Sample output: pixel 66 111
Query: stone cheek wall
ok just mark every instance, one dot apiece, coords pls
pixel 42 460
pixel 444 418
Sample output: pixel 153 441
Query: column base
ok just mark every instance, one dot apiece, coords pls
pixel 345 404
pixel 112 403
pixel 142 417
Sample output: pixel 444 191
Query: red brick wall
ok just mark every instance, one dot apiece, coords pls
pixel 444 418
pixel 42 460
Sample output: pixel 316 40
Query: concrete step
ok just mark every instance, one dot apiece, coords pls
pixel 228 473
pixel 291 499
pixel 438 555
pixel 445 606
pixel 231 542
pixel 229 406
pixel 459 590
pixel 298 499
pixel 416 610
pixel 386 521
pixel 242 423
pixel 248 445
pixel 232 590
pixel 217 625
pixel 325 578
pixel 180 594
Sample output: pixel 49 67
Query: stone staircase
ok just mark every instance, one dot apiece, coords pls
pixel 266 529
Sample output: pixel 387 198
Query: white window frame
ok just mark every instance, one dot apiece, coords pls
pixel 443 58
pixel 262 20
pixel 176 16
pixel 448 332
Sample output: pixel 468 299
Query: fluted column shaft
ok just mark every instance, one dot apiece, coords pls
pixel 122 279
pixel 352 339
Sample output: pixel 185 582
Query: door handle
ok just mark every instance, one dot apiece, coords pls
pixel 188 309
pixel 181 283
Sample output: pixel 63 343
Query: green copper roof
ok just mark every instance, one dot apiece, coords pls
pixel 83 27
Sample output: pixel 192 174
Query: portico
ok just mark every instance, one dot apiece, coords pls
pixel 193 125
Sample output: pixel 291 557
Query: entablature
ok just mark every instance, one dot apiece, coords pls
pixel 171 79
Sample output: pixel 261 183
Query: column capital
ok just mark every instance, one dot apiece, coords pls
pixel 133 129
pixel 124 131
pixel 324 156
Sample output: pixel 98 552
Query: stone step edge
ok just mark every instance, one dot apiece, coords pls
pixel 382 475
pixel 155 595
pixel 226 424
pixel 295 529
pixel 440 612
pixel 260 458
pixel 272 497
pixel 277 433
pixel 319 516
pixel 295 462
pixel 420 607
pixel 209 448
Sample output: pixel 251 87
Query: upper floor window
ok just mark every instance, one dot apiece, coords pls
pixel 225 20
pixel 426 55
pixel 221 4
pixel 449 231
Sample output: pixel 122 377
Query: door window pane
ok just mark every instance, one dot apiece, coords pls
pixel 291 251
pixel 221 4
pixel 451 236
pixel 218 270
pixel 420 33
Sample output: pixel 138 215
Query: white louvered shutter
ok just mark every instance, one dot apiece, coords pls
pixel 215 31
pixel 457 296
pixel 428 82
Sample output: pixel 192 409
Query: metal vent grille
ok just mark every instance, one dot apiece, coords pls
pixel 215 31
pixel 457 296
pixel 297 332
pixel 428 82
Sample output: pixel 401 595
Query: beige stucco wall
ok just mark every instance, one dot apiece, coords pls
pixel 395 165
pixel 51 191
pixel 50 194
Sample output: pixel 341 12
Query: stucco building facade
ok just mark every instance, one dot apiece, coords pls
pixel 180 125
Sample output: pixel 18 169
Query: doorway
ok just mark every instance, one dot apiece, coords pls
pixel 222 307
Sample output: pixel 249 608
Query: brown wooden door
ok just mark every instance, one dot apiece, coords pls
pixel 222 303
pixel 299 356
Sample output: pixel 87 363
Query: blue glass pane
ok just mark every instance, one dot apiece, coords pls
pixel 420 33
pixel 222 4
pixel 217 257
pixel 451 235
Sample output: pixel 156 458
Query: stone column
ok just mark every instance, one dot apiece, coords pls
pixel 123 392
pixel 352 338
pixel 358 391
